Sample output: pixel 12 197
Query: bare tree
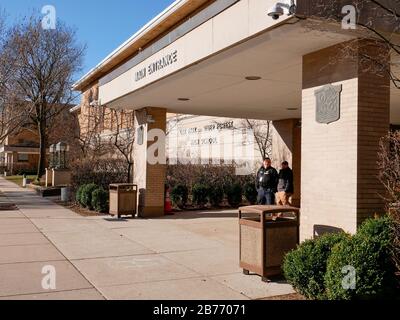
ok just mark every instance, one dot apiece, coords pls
pixel 105 133
pixel 389 167
pixel 46 63
pixel 124 137
pixel 70 131
pixel 262 132
pixel 376 20
pixel 92 129
pixel 13 112
pixel 2 25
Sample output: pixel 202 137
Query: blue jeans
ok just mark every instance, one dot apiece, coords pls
pixel 266 197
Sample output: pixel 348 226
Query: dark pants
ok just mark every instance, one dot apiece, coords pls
pixel 266 197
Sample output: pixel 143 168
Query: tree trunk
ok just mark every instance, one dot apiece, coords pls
pixel 130 175
pixel 42 149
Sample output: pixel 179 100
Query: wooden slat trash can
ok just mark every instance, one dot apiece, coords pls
pixel 123 199
pixel 267 234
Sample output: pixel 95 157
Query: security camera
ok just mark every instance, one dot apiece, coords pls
pixel 276 11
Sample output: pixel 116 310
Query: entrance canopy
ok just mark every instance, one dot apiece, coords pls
pixel 217 86
pixel 229 59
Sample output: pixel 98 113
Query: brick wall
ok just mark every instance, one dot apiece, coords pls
pixel 339 184
pixel 99 120
pixel 22 137
pixel 329 164
pixel 373 124
pixel 150 178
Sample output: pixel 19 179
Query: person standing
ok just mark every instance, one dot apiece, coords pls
pixel 285 185
pixel 266 183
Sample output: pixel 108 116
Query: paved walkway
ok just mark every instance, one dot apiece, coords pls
pixel 187 256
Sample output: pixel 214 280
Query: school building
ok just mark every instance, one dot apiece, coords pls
pixel 282 61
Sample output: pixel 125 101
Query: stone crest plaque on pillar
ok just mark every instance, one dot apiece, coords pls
pixel 328 103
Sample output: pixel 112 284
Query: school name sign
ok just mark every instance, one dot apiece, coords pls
pixel 156 66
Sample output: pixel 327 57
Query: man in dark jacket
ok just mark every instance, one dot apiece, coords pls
pixel 285 185
pixel 266 183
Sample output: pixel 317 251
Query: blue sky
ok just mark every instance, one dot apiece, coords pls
pixel 102 25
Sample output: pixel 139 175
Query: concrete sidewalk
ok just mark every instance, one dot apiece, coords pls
pixel 187 256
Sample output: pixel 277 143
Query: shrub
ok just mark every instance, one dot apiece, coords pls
pixel 250 193
pixel 381 229
pixel 223 176
pixel 199 194
pixel 100 199
pixel 86 195
pixel 102 172
pixel 369 252
pixel 26 171
pixel 78 195
pixel 216 195
pixel 235 195
pixel 209 175
pixel 305 267
pixel 180 195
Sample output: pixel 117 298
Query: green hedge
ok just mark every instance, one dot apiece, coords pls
pixel 369 252
pixel 305 267
pixel 78 195
pixel 27 172
pixel 100 200
pixel 235 195
pixel 250 193
pixel 216 196
pixel 86 195
pixel 200 194
pixel 180 195
pixel 322 268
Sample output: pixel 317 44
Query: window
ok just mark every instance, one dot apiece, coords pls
pixel 23 157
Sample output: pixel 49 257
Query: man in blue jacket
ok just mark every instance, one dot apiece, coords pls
pixel 267 183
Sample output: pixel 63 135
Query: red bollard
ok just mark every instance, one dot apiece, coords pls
pixel 168 203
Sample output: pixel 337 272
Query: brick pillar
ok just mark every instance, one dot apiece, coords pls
pixel 150 177
pixel 340 188
pixel 286 146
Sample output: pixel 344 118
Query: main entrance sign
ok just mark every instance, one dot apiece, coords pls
pixel 156 66
pixel 328 103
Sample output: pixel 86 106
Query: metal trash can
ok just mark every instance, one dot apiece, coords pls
pixel 267 234
pixel 65 194
pixel 123 199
